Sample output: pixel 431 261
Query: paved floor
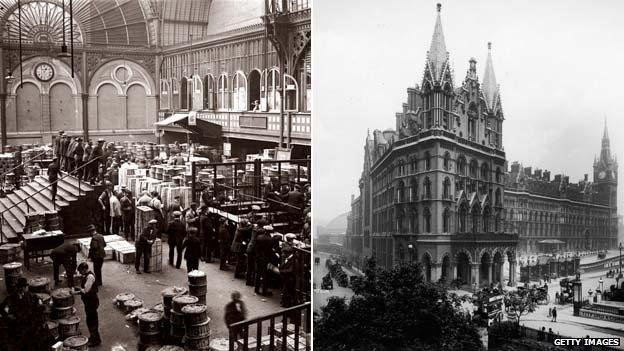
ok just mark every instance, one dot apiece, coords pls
pixel 119 278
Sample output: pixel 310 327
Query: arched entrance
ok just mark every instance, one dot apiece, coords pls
pixel 463 267
pixel 426 266
pixel 485 269
pixel 254 89
pixel 498 268
pixel 446 269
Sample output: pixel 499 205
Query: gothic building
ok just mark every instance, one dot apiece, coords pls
pixel 433 189
pixel 555 214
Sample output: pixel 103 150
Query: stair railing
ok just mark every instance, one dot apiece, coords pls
pixel 3 174
pixel 2 219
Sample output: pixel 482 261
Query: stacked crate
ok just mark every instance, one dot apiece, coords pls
pixel 123 251
pixel 156 256
pixel 144 214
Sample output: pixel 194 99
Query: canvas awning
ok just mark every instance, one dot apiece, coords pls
pixel 202 127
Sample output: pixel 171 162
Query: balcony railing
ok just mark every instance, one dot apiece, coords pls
pixel 296 124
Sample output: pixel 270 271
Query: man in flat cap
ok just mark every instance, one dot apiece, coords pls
pixel 57 143
pixel 176 232
pixel 54 169
pixel 96 252
pixel 224 243
pixel 143 246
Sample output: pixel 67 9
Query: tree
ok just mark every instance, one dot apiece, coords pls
pixel 395 310
pixel 521 302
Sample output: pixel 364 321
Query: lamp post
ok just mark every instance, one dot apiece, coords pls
pixel 578 296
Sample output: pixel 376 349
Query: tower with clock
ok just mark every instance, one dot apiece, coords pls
pixel 605 182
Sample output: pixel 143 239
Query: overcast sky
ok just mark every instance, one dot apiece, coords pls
pixel 559 65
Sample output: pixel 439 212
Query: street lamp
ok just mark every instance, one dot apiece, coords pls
pixel 578 296
pixel 601 285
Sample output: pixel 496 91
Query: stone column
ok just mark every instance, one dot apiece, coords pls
pixel 453 271
pixel 3 119
pixel 475 272
pixel 512 273
pixel 501 271
pixel 85 116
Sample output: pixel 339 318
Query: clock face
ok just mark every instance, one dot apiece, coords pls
pixel 44 72
pixel 602 175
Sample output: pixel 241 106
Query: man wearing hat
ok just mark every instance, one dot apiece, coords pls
pixel 192 250
pixel 105 204
pixel 143 246
pixel 96 252
pixel 287 271
pixel 239 246
pixel 57 142
pixel 65 255
pixel 264 253
pixel 250 275
pixel 176 233
pixel 63 154
pixel 224 243
pixel 96 159
pixel 88 291
pixel 24 313
pixel 77 155
pixel 192 217
pixel 296 203
pixel 127 213
pixel 53 175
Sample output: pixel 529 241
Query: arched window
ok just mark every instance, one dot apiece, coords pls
pixel 254 90
pixel 446 189
pixel 209 92
pixel 291 93
pixel 499 175
pixel 485 171
pixel 427 186
pixel 475 219
pixel 223 94
pixel 184 101
pixel 414 221
pixel 239 92
pixel 497 201
pixel 497 223
pixel 273 85
pixel 400 192
pixel 414 189
pixel 447 161
pixel 164 95
pixel 486 219
pixel 463 216
pixel 427 161
pixel 427 220
pixel 473 168
pixel 446 220
pixel 461 165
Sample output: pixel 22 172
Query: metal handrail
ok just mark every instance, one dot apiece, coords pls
pixel 38 192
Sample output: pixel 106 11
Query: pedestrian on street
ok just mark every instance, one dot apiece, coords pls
pixel 144 246
pixel 88 291
pixel 551 335
pixel 127 214
pixel 224 243
pixel 192 250
pixel 176 233
pixel 549 312
pixel 235 311
pixel 96 252
pixel 65 255
pixel 554 314
pixel 264 253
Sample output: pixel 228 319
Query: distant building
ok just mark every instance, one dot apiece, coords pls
pixel 550 214
pixel 433 189
pixel 330 237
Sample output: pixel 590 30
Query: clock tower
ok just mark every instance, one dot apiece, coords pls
pixel 605 183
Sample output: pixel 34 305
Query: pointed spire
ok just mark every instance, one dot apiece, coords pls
pixel 605 134
pixel 489 86
pixel 437 54
pixel 605 152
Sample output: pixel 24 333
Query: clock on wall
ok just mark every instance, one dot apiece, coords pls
pixel 44 72
pixel 602 175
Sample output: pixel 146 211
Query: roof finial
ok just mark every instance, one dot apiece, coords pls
pixel 439 7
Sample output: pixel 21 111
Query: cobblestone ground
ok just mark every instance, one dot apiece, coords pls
pixel 117 278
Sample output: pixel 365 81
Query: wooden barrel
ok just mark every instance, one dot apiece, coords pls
pixel 221 344
pixel 53 329
pixel 39 285
pixel 77 342
pixel 149 322
pixel 177 332
pixel 13 269
pixel 62 298
pixel 131 305
pixel 202 343
pixel 122 298
pixel 199 330
pixel 198 290
pixel 195 314
pixel 8 253
pixel 134 315
pixel 62 312
pixel 177 319
pixel 197 278
pixel 201 299
pixel 159 308
pixel 69 326
pixel 171 292
pixel 180 301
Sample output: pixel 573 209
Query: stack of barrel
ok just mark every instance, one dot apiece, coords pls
pixel 52 220
pixel 77 343
pixel 198 285
pixel 9 252
pixel 168 295
pixel 197 325
pixel 63 311
pixel 177 316
pixel 40 286
pixel 149 328
pixel 12 273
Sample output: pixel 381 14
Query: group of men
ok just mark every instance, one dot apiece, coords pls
pixel 73 152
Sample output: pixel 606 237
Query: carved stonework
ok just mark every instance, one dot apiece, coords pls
pixel 299 40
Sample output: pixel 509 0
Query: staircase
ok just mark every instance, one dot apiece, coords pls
pixel 75 201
